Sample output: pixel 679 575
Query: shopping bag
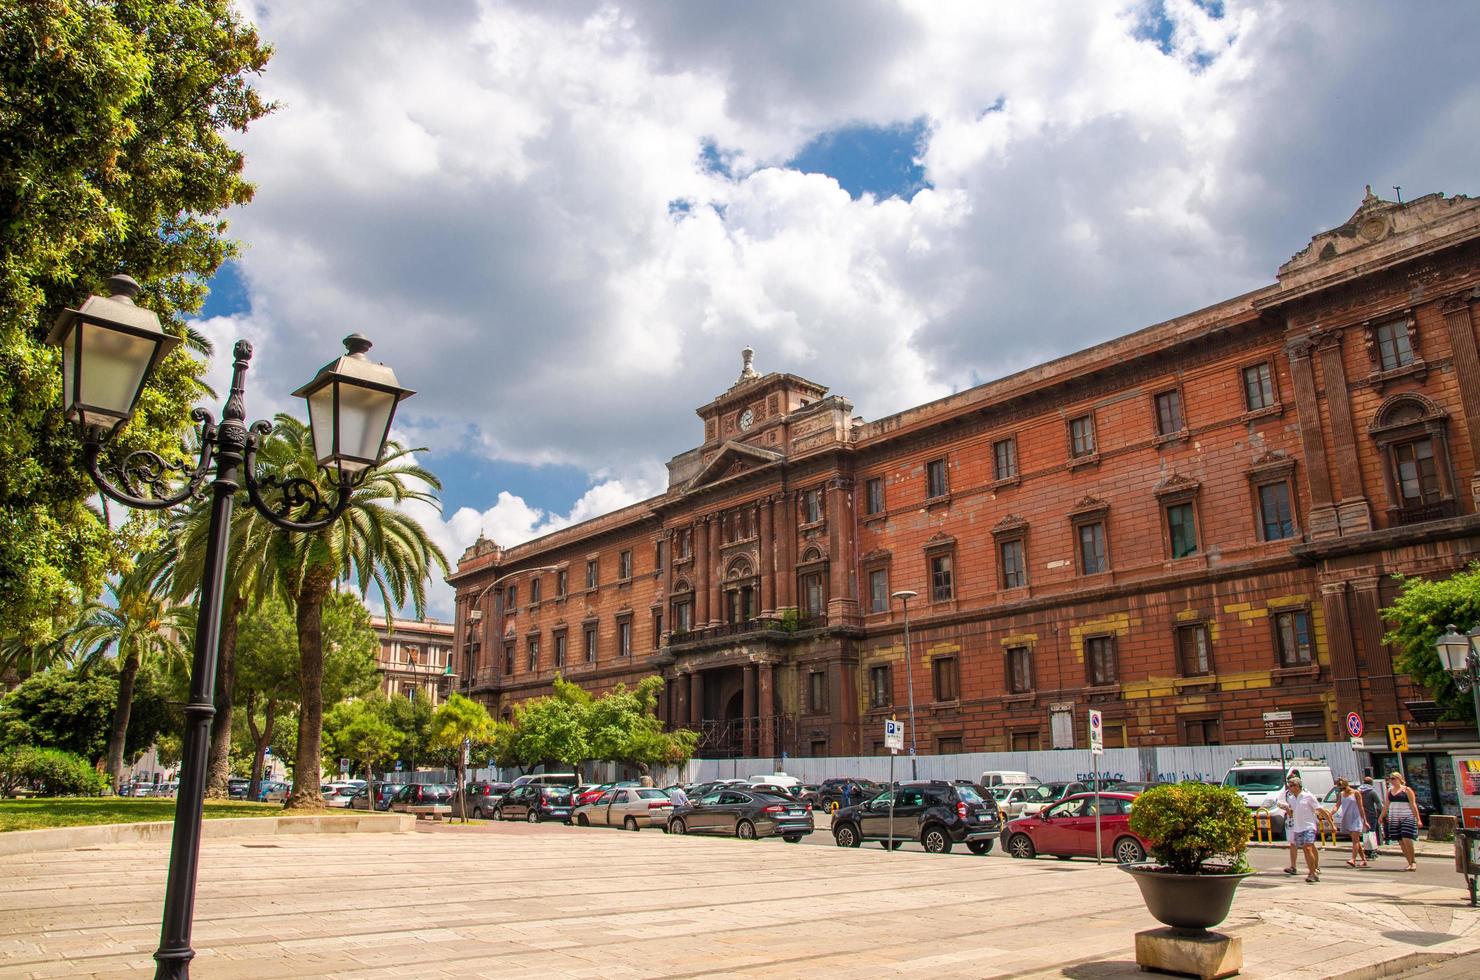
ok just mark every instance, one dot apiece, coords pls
pixel 1369 841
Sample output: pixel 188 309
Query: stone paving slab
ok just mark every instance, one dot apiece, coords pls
pixel 553 901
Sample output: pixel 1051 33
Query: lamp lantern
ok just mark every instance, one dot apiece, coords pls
pixel 351 403
pixel 1454 648
pixel 109 349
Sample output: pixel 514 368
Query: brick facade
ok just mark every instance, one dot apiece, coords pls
pixel 415 658
pixel 1183 527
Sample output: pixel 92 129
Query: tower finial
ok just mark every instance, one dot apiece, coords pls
pixel 747 369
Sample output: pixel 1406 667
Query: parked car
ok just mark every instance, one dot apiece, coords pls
pixel 413 796
pixel 1004 777
pixel 937 814
pixel 628 807
pixel 373 796
pixel 589 794
pixel 480 798
pixel 1134 787
pixel 743 813
pixel 535 803
pixel 834 794
pixel 236 787
pixel 1018 801
pixel 273 791
pixel 337 796
pixel 567 779
pixel 1060 789
pixel 1067 829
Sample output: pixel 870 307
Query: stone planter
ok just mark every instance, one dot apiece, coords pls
pixel 1191 904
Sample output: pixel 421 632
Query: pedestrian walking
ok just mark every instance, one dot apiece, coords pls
pixel 1301 810
pixel 1350 820
pixel 1371 810
pixel 1401 816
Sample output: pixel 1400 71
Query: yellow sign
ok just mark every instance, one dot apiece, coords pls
pixel 1398 738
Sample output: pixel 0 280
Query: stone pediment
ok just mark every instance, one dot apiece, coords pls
pixel 1175 484
pixel 1381 227
pixel 733 459
pixel 1010 526
pixel 1089 505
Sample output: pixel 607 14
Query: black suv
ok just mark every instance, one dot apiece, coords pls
pixel 936 813
pixel 836 793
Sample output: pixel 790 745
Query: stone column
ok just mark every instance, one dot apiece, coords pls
pixel 747 674
pixel 1339 646
pixel 1322 520
pixel 1461 327
pixel 1382 686
pixel 680 701
pixel 1353 511
pixel 696 698
pixel 842 602
pixel 786 551
pixel 768 560
pixel 716 576
pixel 766 709
pixel 702 572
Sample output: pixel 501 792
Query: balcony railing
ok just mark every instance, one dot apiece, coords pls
pixel 761 624
pixel 728 738
pixel 1425 512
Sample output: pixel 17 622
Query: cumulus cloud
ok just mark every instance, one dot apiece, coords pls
pixel 513 198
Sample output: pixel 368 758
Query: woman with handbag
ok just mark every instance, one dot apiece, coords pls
pixel 1350 820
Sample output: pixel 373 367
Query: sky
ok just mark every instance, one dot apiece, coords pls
pixel 560 222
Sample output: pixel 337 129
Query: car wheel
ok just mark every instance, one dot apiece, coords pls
pixel 1064 857
pixel 846 835
pixel 936 840
pixel 980 846
pixel 533 816
pixel 1128 850
pixel 630 824
pixel 678 827
pixel 477 813
pixel 792 838
pixel 745 830
pixel 581 821
pixel 1021 846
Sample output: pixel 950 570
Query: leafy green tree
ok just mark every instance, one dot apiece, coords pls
pixel 550 729
pixel 361 730
pixel 413 716
pixel 457 724
pixel 72 709
pixel 138 625
pixel 113 157
pixel 623 726
pixel 51 772
pixel 374 543
pixel 1420 615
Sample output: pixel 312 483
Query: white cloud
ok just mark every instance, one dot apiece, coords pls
pixel 484 189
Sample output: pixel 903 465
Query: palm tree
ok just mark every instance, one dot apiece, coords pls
pixel 373 543
pixel 138 623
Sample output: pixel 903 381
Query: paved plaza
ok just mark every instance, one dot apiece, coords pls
pixel 548 901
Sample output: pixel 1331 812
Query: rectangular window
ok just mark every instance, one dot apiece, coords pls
pixel 1092 548
pixel 817 692
pixel 1418 479
pixel 1182 530
pixel 534 590
pixel 1258 387
pixel 508 658
pixel 559 650
pixel 819 748
pixel 1004 459
pixel 1310 724
pixel 562 583
pixel 1099 659
pixel 624 638
pixel 657 628
pixel 683 616
pixel 1019 669
pixel 624 566
pixel 591 573
pixel 943 673
pixel 814 596
pixel 511 597
pixel 534 653
pixel 812 506
pixel 949 745
pixel 873 492
pixel 1024 741
pixel 942 587
pixel 880 686
pixel 1014 566
pixel 1115 737
pixel 1293 632
pixel 658 550
pixel 1275 519
pixel 1082 436
pixel 935 479
pixel 1202 731
pixel 1169 419
pixel 1194 656
pixel 878 590
pixel 683 542
pixel 1393 349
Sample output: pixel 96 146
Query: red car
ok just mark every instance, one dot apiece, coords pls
pixel 1067 829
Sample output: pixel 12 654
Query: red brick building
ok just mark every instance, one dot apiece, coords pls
pixel 415 658
pixel 1183 527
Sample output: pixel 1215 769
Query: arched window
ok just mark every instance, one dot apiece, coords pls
pixel 1412 433
pixel 812 583
pixel 682 608
pixel 741 592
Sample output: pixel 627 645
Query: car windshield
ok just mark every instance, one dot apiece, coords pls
pixel 1001 793
pixel 555 792
pixel 1254 779
pixel 651 794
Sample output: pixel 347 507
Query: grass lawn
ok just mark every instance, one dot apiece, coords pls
pixel 39 814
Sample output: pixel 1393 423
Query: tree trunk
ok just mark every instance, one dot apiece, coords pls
pixel 219 767
pixel 128 671
pixel 308 759
pixel 260 741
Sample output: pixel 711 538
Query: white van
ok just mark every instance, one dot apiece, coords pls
pixel 1001 777
pixel 1258 780
pixel 776 779
pixel 548 779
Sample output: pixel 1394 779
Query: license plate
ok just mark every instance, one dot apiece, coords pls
pixel 796 813
pixel 559 812
pixel 985 817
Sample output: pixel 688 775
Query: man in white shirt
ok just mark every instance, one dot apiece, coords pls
pixel 1301 811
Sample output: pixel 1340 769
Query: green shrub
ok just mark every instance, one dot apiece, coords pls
pixel 50 772
pixel 1191 824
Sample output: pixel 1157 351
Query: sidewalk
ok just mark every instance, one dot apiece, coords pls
pixel 1421 848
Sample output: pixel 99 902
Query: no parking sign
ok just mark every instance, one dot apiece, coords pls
pixel 1354 724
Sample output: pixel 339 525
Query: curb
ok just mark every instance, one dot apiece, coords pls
pixel 69 838
pixel 1383 851
pixel 1396 966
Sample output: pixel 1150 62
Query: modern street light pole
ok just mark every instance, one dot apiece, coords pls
pixel 905 595
pixel 1460 655
pixel 476 615
pixel 109 348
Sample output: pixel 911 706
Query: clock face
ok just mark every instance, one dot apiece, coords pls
pixel 746 418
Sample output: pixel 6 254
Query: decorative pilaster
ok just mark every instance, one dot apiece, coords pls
pixel 842 604
pixel 696 698
pixel 1382 702
pixel 716 577
pixel 748 709
pixel 1352 508
pixel 1461 327
pixel 767 708
pixel 786 551
pixel 1339 646
pixel 702 573
pixel 1323 520
pixel 768 560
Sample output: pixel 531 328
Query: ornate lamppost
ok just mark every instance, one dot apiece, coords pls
pixel 904 596
pixel 109 348
pixel 1460 655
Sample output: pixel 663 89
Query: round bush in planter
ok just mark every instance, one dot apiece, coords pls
pixel 1198 834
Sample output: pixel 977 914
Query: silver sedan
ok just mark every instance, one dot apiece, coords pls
pixel 628 807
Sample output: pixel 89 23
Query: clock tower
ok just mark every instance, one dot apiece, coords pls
pixel 753 409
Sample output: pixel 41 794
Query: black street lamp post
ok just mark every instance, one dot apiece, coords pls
pixel 109 347
pixel 904 596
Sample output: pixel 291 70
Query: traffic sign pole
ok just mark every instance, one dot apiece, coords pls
pixel 1096 749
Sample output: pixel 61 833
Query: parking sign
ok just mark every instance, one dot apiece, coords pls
pixel 893 735
pixel 1096 733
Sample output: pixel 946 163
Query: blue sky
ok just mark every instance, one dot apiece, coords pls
pixel 560 223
